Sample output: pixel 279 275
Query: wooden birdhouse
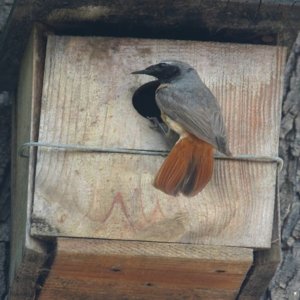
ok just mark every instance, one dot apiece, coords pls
pixel 87 101
pixel 95 227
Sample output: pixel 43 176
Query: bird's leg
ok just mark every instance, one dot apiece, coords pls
pixel 159 126
pixel 170 136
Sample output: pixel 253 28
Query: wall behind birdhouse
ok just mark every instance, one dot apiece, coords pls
pixel 5 130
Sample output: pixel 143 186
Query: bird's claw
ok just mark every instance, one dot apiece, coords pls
pixel 159 126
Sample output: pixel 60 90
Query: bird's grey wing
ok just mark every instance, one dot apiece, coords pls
pixel 197 112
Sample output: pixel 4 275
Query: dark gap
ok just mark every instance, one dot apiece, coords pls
pixel 115 269
pixel 143 100
pixel 149 284
pixel 46 267
pixel 220 271
pixel 182 32
pixel 249 275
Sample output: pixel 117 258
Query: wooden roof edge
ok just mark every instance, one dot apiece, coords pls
pixel 236 21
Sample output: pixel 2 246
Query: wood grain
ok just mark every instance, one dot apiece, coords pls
pixel 95 269
pixel 111 196
pixel 265 263
pixel 87 100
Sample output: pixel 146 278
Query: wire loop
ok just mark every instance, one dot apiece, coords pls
pixel 91 149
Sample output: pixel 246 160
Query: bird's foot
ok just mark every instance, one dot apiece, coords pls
pixel 159 126
pixel 170 136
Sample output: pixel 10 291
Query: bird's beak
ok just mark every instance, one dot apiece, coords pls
pixel 141 72
pixel 151 71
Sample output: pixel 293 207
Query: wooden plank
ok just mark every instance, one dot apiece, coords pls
pixel 239 21
pixel 27 254
pixel 98 269
pixel 265 263
pixel 128 207
pixel 87 100
pixel 88 89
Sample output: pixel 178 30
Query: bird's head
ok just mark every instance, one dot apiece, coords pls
pixel 166 70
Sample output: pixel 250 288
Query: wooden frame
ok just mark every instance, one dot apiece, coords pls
pixel 87 100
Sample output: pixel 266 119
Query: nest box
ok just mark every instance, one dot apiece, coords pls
pixel 87 100
pixel 107 219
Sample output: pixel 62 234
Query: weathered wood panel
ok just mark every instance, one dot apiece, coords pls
pixel 27 254
pixel 95 269
pixel 87 100
pixel 88 89
pixel 111 196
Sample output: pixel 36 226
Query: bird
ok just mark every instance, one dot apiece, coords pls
pixel 189 108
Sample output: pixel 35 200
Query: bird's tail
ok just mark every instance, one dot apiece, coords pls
pixel 187 169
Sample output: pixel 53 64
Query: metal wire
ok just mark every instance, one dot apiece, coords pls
pixel 94 149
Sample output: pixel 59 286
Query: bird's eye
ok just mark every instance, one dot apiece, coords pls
pixel 163 65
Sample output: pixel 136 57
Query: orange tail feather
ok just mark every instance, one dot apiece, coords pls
pixel 187 169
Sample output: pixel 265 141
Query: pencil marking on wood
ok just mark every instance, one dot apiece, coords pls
pixel 118 200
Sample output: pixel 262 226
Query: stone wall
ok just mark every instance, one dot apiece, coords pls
pixel 286 282
pixel 5 130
